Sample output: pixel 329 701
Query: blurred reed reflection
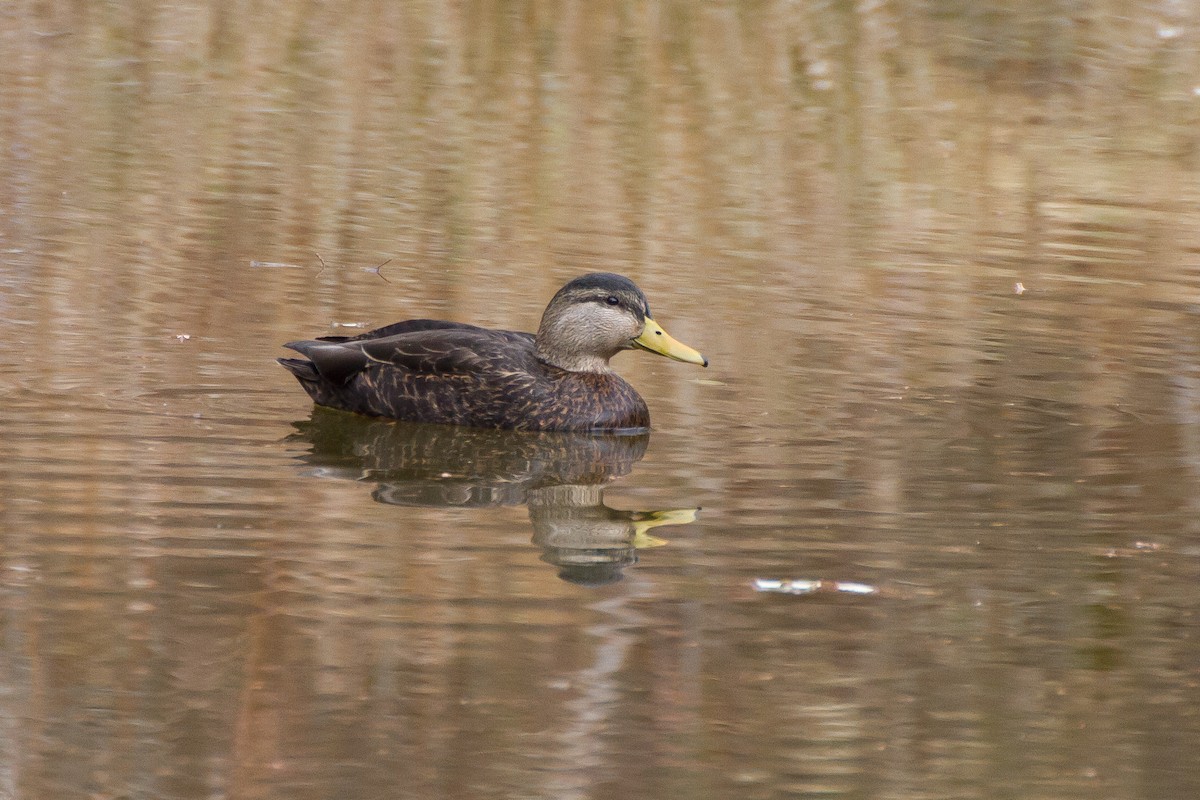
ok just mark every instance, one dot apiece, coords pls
pixel 560 476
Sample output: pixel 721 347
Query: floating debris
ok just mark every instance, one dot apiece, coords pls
pixel 182 337
pixel 785 587
pixel 1018 288
pixel 776 586
pixel 348 324
pixel 274 265
pixel 378 270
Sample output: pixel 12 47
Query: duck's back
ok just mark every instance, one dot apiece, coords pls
pixel 446 372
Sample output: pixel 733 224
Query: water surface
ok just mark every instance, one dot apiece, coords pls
pixel 943 259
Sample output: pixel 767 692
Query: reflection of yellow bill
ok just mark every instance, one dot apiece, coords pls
pixel 656 340
pixel 643 521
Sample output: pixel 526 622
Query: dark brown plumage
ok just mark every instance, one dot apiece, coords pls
pixel 447 372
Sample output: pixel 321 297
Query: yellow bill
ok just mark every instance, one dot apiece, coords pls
pixel 656 340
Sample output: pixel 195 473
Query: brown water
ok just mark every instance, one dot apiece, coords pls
pixel 945 259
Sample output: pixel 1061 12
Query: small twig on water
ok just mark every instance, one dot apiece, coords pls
pixel 323 265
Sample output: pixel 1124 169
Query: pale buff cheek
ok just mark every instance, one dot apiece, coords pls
pixel 594 339
pixel 592 329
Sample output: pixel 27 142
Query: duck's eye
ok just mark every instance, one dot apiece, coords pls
pixel 613 301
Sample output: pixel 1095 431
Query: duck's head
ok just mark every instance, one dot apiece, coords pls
pixel 598 315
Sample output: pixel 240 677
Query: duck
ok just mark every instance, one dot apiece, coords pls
pixel 559 379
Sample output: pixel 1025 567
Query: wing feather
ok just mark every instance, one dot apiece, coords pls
pixel 430 351
pixel 451 351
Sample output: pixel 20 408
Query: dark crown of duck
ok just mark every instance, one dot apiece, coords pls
pixel 449 372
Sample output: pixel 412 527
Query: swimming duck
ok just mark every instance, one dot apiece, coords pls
pixel 426 370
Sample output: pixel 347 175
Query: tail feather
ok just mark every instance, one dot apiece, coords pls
pixel 335 362
pixel 301 368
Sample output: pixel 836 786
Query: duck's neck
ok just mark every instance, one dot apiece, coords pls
pixel 568 347
pixel 571 362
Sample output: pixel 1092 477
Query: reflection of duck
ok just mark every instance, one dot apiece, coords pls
pixel 560 475
pixel 587 540
pixel 433 371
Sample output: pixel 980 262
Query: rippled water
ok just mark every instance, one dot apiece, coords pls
pixel 926 528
